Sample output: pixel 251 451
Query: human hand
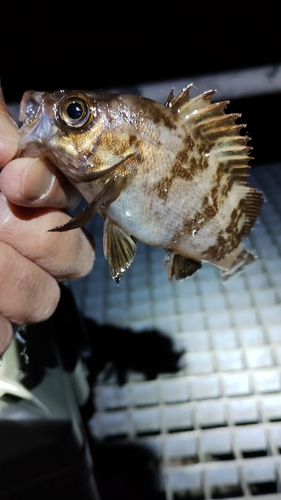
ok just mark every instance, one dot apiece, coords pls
pixel 33 194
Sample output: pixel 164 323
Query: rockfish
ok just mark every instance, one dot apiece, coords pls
pixel 173 176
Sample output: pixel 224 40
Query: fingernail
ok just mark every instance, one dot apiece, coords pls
pixel 39 180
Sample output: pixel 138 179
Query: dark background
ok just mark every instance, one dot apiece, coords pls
pixel 100 45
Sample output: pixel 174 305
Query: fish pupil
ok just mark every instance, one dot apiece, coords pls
pixel 74 110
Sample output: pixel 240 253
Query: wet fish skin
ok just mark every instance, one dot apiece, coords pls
pixel 173 176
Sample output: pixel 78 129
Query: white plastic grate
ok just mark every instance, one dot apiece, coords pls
pixel 216 424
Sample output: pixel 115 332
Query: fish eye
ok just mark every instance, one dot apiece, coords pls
pixel 74 112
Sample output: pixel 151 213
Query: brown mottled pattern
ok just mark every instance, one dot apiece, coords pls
pixel 232 230
pixel 218 251
pixel 189 161
pixel 210 207
pixel 229 239
pixel 112 143
pixel 219 193
pixel 132 139
pixel 188 141
pixel 184 167
pixel 162 187
pixel 183 156
pixel 204 163
pixel 156 112
pixel 193 155
pixel 181 172
pixel 177 170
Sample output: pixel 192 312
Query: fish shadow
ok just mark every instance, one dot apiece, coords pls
pixel 149 352
pixel 106 349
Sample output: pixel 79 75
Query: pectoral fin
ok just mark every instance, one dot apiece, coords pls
pixel 75 175
pixel 180 267
pixel 108 194
pixel 119 249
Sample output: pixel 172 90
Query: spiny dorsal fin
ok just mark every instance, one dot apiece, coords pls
pixel 170 99
pixel 217 132
pixel 216 135
pixel 181 100
pixel 183 103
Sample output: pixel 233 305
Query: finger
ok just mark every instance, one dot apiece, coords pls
pixel 37 182
pixel 6 334
pixel 9 135
pixel 27 293
pixel 68 255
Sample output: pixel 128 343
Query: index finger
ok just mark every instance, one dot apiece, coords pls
pixel 36 182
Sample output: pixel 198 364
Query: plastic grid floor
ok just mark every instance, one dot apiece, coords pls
pixel 216 424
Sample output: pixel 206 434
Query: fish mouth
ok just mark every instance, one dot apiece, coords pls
pixel 29 106
pixel 36 125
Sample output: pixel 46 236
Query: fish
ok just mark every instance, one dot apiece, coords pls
pixel 170 175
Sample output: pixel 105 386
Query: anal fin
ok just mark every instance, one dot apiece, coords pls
pixel 180 267
pixel 119 249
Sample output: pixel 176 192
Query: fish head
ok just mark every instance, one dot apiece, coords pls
pixel 64 126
